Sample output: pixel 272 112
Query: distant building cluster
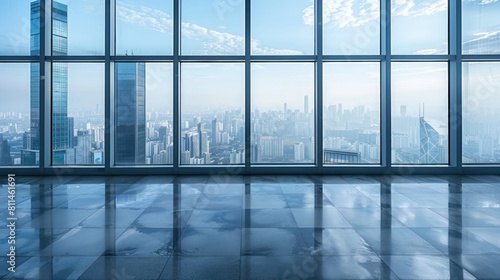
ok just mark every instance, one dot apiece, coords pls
pixel 351 136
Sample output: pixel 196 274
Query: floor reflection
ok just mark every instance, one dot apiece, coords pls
pixel 268 227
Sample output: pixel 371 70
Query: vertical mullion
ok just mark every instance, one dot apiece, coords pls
pixel 108 108
pixel 45 128
pixel 385 83
pixel 318 8
pixel 455 84
pixel 176 77
pixel 248 99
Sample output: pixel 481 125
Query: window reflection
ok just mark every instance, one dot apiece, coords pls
pixel 481 117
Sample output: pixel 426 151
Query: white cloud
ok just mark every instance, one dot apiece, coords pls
pixel 212 42
pixel 344 13
pixel 153 19
pixel 481 2
pixel 428 51
pixel 353 13
pixel 486 2
pixel 484 36
pixel 409 8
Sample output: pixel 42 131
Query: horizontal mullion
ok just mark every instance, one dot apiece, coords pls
pixel 480 57
pixel 145 58
pixel 254 170
pixel 212 58
pixel 19 58
pixel 429 58
pixel 329 58
pixel 286 58
pixel 76 58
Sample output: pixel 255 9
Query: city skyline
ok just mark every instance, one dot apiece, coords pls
pixel 282 93
pixel 143 17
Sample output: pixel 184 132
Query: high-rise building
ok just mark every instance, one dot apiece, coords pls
pixel 5 158
pixel 306 104
pixel 298 151
pixel 130 102
pixel 431 150
pixel 215 130
pixel 34 81
pixel 60 136
pixel 83 147
pixel 71 127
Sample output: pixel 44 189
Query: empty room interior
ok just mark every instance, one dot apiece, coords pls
pixel 250 139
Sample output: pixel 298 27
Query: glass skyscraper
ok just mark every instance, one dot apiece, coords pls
pixel 32 144
pixel 130 112
pixel 431 150
pixel 60 134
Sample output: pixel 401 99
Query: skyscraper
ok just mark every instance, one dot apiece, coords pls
pixel 431 151
pixel 130 108
pixel 4 151
pixel 306 104
pixel 34 79
pixel 215 130
pixel 60 136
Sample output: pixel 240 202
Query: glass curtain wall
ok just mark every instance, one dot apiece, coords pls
pixel 190 84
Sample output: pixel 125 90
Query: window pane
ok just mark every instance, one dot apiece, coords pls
pixel 78 27
pixel 481 27
pixel 350 29
pixel 144 27
pixel 213 118
pixel 213 27
pixel 19 134
pixel 20 22
pixel 420 113
pixel 282 27
pixel 419 27
pixel 481 112
pixel 351 115
pixel 78 113
pixel 143 113
pixel 282 113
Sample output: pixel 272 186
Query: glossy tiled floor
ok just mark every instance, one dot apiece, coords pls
pixel 271 227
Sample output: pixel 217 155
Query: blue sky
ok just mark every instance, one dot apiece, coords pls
pixel 279 27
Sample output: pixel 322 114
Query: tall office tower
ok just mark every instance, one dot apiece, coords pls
pixel 60 136
pixel 215 130
pixel 83 147
pixel 170 154
pixel 306 104
pixel 256 153
pixel 431 150
pixel 4 151
pixel 130 108
pixel 194 144
pixel 71 133
pixel 34 80
pixel 204 144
